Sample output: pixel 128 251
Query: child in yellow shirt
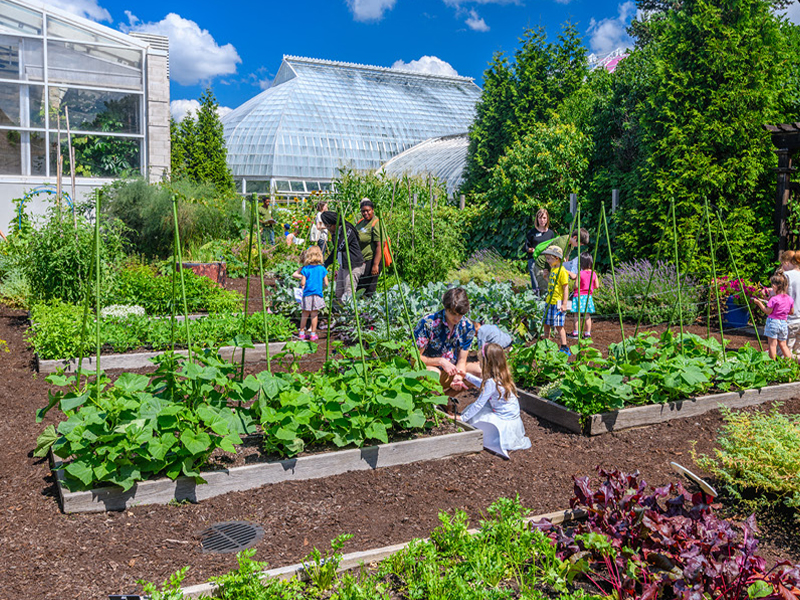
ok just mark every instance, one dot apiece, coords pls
pixel 557 297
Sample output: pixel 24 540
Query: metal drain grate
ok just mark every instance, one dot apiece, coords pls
pixel 230 536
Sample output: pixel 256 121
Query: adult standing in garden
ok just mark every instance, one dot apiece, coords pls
pixel 319 233
pixel 266 221
pixel 540 233
pixel 347 242
pixel 444 339
pixel 370 236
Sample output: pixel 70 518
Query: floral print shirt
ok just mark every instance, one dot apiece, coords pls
pixel 434 337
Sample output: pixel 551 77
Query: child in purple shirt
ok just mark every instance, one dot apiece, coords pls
pixel 777 309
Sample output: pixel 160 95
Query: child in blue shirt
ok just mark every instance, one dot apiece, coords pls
pixel 313 277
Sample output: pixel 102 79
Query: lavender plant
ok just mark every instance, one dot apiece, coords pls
pixel 659 304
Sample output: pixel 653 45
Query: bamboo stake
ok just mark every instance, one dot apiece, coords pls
pixel 71 152
pixel 263 291
pixel 736 272
pixel 413 210
pixel 180 271
pixel 333 285
pixel 86 300
pixel 394 189
pixel 97 286
pixel 355 300
pixel 59 164
pixel 677 269
pixel 714 276
pixel 247 282
pixel 650 279
pixel 580 323
pixel 613 277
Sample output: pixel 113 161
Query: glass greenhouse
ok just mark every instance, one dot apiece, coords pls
pixel 443 158
pixel 113 86
pixel 319 116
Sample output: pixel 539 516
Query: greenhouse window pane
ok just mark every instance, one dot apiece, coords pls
pixel 16 19
pixel 61 29
pixel 297 186
pixel 312 186
pixel 83 64
pixel 21 58
pixel 282 186
pixel 21 105
pixel 18 148
pixel 324 186
pixel 90 110
pixel 99 155
pixel 258 186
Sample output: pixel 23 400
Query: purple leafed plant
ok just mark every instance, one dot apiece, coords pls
pixel 665 544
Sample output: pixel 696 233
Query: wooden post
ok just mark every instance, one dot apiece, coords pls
pixel 784 172
pixel 413 210
pixel 461 202
pixel 573 204
pixel 614 200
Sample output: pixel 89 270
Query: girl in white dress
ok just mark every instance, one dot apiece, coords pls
pixel 496 411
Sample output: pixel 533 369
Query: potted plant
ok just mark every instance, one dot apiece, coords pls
pixel 737 294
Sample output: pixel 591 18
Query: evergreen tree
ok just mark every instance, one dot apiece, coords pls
pixel 490 133
pixel 177 150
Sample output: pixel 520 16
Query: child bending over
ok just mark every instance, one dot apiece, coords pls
pixel 313 277
pixel 496 411
pixel 777 309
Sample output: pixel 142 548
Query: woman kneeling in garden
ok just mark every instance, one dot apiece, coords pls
pixel 444 339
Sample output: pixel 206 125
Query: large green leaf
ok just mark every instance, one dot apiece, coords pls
pixel 195 442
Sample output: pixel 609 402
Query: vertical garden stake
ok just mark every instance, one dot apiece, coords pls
pixel 86 300
pixel 714 277
pixel 736 272
pixel 333 285
pixel 578 282
pixel 247 280
pixel 180 271
pixel 355 300
pixel 650 279
pixel 613 277
pixel 97 284
pixel 263 292
pixel 677 268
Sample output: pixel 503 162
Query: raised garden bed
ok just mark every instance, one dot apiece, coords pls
pixel 636 416
pixel 140 360
pixel 165 490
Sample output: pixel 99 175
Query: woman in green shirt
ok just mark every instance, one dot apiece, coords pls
pixel 370 237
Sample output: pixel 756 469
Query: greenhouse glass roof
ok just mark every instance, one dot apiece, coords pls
pixel 319 116
pixel 444 158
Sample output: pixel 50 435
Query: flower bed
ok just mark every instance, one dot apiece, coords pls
pixel 646 380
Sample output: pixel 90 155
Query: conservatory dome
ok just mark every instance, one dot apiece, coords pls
pixel 442 157
pixel 320 116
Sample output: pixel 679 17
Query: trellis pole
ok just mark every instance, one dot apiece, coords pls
pixel 180 271
pixel 613 277
pixel 677 269
pixel 650 279
pixel 333 285
pixel 736 272
pixel 714 276
pixel 578 278
pixel 97 285
pixel 263 290
pixel 355 300
pixel 247 280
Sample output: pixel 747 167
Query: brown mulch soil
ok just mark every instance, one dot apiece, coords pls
pixel 52 555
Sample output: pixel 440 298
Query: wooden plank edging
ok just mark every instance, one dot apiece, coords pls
pixel 165 490
pixel 365 557
pixel 141 360
pixel 650 414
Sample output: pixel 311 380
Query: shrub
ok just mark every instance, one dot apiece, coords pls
pixel 142 285
pixel 55 330
pixel 758 457
pixel 486 266
pixel 661 303
pixel 14 289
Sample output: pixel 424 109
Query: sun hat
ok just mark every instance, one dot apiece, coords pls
pixel 555 251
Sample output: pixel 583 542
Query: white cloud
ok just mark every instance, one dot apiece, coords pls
pixel 609 34
pixel 369 10
pixel 194 55
pixel 88 9
pixel 180 108
pixel 475 22
pixel 427 64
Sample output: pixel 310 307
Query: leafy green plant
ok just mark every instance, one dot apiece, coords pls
pixel 645 369
pixel 247 582
pixel 757 458
pixel 169 590
pixel 486 266
pixel 321 570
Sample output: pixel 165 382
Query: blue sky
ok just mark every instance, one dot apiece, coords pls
pixel 237 47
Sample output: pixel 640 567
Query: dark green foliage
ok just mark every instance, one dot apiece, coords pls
pixel 518 96
pixel 60 256
pixel 146 209
pixel 55 331
pixel 142 285
pixel 198 150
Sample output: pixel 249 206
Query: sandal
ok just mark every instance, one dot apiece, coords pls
pixel 573 334
pixel 587 335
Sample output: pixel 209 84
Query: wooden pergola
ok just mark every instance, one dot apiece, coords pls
pixel 786 139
